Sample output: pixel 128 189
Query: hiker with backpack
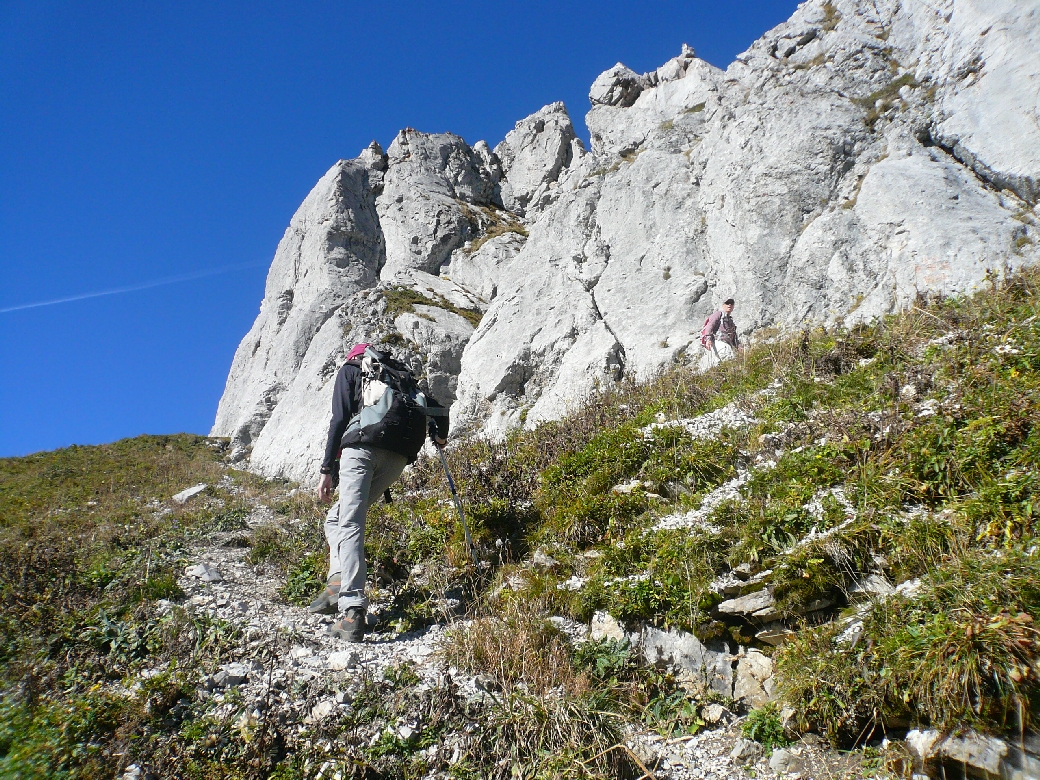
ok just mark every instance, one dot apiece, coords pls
pixel 380 421
pixel 719 335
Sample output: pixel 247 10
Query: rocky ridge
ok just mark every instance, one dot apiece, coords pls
pixel 856 157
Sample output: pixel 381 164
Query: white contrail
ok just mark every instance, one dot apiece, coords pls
pixel 133 287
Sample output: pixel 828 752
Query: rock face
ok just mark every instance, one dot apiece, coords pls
pixel 332 249
pixel 534 153
pixel 855 157
pixel 355 266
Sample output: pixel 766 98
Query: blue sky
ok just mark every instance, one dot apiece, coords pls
pixel 164 146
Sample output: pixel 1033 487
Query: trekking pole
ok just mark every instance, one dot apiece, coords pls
pixel 458 505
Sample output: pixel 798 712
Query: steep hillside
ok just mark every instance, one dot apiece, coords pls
pixel 833 535
pixel 857 156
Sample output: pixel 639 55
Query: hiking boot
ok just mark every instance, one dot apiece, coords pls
pixel 325 604
pixel 351 626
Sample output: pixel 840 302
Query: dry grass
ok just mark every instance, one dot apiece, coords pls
pixel 519 651
pixel 490 223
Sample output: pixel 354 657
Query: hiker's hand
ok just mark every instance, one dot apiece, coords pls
pixel 325 489
pixel 439 441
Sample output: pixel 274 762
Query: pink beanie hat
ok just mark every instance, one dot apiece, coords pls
pixel 357 351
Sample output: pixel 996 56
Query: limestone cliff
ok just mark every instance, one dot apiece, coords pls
pixel 855 157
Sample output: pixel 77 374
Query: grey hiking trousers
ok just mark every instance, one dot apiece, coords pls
pixel 364 473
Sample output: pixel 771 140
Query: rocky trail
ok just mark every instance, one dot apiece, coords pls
pixel 284 668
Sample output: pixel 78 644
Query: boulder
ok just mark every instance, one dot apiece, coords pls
pixel 974 754
pixel 710 666
pixel 746 751
pixel 784 761
pixel 982 753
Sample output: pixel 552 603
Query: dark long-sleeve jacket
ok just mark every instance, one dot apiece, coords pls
pixel 346 403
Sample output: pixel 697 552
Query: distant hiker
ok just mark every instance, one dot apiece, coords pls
pixel 380 421
pixel 719 335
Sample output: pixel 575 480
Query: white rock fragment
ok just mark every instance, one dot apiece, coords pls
pixel 574 582
pixel 322 710
pixel 204 572
pixel 714 714
pixel 184 495
pixel 575 631
pixel 628 488
pixel 604 626
pixel 342 660
pixel 542 561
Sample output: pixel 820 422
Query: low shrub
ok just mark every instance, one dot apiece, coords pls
pixel 765 726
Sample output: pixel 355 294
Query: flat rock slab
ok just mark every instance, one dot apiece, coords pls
pixel 981 754
pixel 184 495
pixel 760 603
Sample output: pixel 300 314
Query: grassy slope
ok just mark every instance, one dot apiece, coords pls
pixel 86 549
pixel 925 423
pixel 89 542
